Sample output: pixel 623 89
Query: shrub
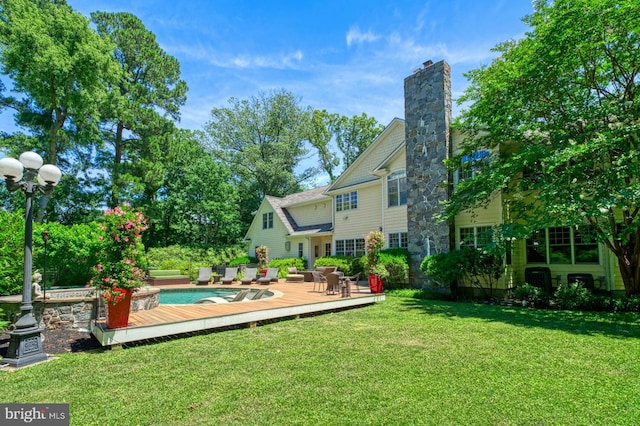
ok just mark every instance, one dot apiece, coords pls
pixel 244 260
pixel 350 265
pixel 528 292
pixel 573 296
pixel 444 269
pixel 72 252
pixel 11 252
pixel 188 259
pixel 397 268
pixel 288 262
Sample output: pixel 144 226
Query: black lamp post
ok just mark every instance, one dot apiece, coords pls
pixel 25 344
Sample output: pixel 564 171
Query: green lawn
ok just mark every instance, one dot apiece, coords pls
pixel 400 362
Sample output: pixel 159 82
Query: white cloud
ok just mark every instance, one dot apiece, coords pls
pixel 356 36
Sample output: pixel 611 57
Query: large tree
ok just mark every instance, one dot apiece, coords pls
pixel 145 99
pixel 54 58
pixel 562 108
pixel 198 202
pixel 263 140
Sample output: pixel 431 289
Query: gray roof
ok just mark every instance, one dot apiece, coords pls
pixel 280 207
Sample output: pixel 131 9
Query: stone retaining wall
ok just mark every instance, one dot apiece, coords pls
pixel 77 308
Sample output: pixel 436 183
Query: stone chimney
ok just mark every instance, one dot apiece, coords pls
pixel 427 100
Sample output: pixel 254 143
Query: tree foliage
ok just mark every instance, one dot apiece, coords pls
pixel 197 204
pixel 263 140
pixel 354 134
pixel 559 109
pixel 148 85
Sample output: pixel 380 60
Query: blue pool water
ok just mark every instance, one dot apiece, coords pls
pixel 184 296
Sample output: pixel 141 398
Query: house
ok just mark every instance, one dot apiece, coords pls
pixel 397 185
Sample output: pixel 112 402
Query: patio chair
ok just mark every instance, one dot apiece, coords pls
pixel 204 276
pixel 352 279
pixel 271 275
pixel 230 275
pixel 319 280
pixel 333 281
pixel 249 276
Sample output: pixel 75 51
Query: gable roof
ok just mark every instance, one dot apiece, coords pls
pixel 363 169
pixel 281 205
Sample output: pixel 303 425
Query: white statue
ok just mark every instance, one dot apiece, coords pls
pixel 36 290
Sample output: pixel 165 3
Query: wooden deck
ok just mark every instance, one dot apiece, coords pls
pixel 290 300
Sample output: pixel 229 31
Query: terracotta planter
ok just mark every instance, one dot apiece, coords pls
pixel 375 283
pixel 118 314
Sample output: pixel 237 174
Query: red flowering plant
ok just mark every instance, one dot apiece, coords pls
pixel 122 259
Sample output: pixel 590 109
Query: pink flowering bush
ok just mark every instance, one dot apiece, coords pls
pixel 122 259
pixel 374 243
pixel 263 256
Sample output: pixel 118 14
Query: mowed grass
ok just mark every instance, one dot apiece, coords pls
pixel 400 362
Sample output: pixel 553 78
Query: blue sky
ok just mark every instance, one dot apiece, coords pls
pixel 346 56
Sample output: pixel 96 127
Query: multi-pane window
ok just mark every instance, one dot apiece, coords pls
pixel 300 250
pixel 398 240
pixel 327 249
pixel 562 245
pixel 350 247
pixel 267 220
pixel 347 201
pixel 475 236
pixel 397 188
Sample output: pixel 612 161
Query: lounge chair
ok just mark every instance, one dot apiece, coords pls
pixel 204 276
pixel 249 276
pixel 230 275
pixel 293 276
pixel 239 296
pixel 257 295
pixel 272 274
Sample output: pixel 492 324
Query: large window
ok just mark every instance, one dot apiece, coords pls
pixel 347 201
pixel 397 188
pixel 475 236
pixel 398 240
pixel 351 247
pixel 267 220
pixel 562 245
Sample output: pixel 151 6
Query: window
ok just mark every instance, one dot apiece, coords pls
pixel 470 165
pixel 327 249
pixel 397 188
pixel 562 245
pixel 348 201
pixel 351 247
pixel 300 250
pixel 398 240
pixel 475 236
pixel 267 220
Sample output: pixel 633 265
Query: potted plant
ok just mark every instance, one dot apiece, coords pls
pixel 377 272
pixel 263 258
pixel 122 261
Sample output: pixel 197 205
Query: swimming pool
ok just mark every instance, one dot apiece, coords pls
pixel 186 296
